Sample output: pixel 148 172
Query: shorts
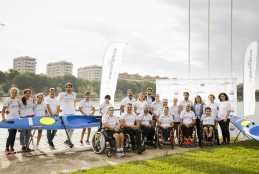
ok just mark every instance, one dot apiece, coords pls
pixel 208 126
pixel 110 133
pixel 177 123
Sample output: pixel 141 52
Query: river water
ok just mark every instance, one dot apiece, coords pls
pixel 61 136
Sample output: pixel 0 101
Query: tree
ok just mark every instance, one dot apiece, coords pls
pixel 59 90
pixel 2 77
pixel 24 81
pixel 1 91
pixel 11 75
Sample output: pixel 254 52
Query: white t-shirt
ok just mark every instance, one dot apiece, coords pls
pixel 214 108
pixel 104 106
pixel 86 106
pixel 67 100
pixel 156 106
pixel 224 107
pixel 110 120
pixel 53 103
pixel 208 120
pixel 145 118
pixel 161 111
pixel 12 106
pixel 140 106
pixel 175 111
pixel 183 103
pixel 27 109
pixel 129 118
pixel 187 117
pixel 39 109
pixel 166 120
pixel 127 100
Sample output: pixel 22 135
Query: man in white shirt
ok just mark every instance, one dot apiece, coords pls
pixel 68 100
pixel 187 119
pixel 126 100
pixel 184 102
pixel 53 104
pixel 127 121
pixel 85 107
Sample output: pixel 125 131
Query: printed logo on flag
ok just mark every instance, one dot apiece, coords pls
pixel 232 110
pixel 231 92
pixel 202 84
pixel 250 80
pixel 232 128
pixel 176 92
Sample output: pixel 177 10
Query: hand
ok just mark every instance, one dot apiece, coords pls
pixel 225 120
pixel 187 125
pixel 116 129
pixel 134 127
pixel 165 127
pixel 47 115
pixel 84 115
pixel 91 115
pixel 60 110
pixel 148 125
pixel 7 112
pixel 216 127
pixel 4 120
pixel 56 114
pixel 75 109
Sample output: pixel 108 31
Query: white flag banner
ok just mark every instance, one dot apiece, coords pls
pixel 249 79
pixel 110 69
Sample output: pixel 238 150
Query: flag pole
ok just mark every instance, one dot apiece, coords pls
pixel 2 26
pixel 189 45
pixel 208 38
pixel 231 39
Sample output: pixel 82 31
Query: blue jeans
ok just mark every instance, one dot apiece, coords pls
pixel 24 137
pixel 50 135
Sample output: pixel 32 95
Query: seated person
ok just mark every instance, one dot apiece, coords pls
pixel 128 122
pixel 112 126
pixel 187 119
pixel 144 120
pixel 165 123
pixel 208 121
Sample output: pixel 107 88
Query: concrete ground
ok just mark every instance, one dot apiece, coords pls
pixel 72 161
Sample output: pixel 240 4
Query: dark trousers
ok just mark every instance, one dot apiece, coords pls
pixel 11 138
pixel 187 131
pixel 131 133
pixel 198 127
pixel 224 126
pixel 165 132
pixel 150 131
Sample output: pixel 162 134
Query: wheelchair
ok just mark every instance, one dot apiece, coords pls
pixel 204 139
pixel 159 137
pixel 181 138
pixel 144 138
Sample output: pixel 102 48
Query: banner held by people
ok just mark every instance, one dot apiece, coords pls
pixel 110 69
pixel 249 79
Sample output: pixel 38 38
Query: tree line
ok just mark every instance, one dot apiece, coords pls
pixel 40 83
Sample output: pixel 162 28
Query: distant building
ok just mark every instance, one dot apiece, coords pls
pixel 24 64
pixel 137 77
pixel 90 72
pixel 60 68
pixel 240 85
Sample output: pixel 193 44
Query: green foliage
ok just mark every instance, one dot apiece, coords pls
pixel 1 91
pixel 2 77
pixel 241 157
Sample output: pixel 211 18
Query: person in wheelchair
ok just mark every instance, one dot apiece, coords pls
pixel 144 120
pixel 128 120
pixel 166 123
pixel 188 120
pixel 209 122
pixel 112 129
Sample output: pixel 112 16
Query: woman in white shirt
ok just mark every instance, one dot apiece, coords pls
pixel 223 117
pixel 139 106
pixel 11 104
pixel 40 109
pixel 176 115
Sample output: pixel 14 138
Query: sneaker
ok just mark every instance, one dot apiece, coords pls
pixel 189 142
pixel 12 151
pixel 6 152
pixel 28 150
pixel 118 154
pixel 176 140
pixel 23 149
pixel 66 142
pixel 123 154
pixel 37 147
pixel 184 142
pixel 163 140
pixel 87 142
pixel 81 143
pixel 52 145
pixel 139 150
pixel 167 142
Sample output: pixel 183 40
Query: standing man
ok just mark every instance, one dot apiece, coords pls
pixel 53 104
pixel 68 100
pixel 85 107
pixel 150 99
pixel 126 100
pixel 184 102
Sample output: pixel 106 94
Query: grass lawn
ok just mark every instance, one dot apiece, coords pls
pixel 241 157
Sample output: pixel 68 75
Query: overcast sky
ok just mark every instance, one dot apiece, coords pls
pixel 156 31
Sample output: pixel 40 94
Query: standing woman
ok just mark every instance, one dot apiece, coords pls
pixel 224 111
pixel 40 109
pixel 139 106
pixel 199 110
pixel 176 115
pixel 11 104
pixel 26 110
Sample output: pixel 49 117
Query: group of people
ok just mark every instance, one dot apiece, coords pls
pixel 145 113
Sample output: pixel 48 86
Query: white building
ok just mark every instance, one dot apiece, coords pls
pixel 24 64
pixel 61 68
pixel 90 72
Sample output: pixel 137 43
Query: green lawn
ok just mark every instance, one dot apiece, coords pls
pixel 241 157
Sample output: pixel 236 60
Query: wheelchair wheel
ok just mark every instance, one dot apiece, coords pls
pixel 98 142
pixel 179 136
pixel 157 136
pixel 160 146
pixel 109 153
pixel 215 142
pixel 202 143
